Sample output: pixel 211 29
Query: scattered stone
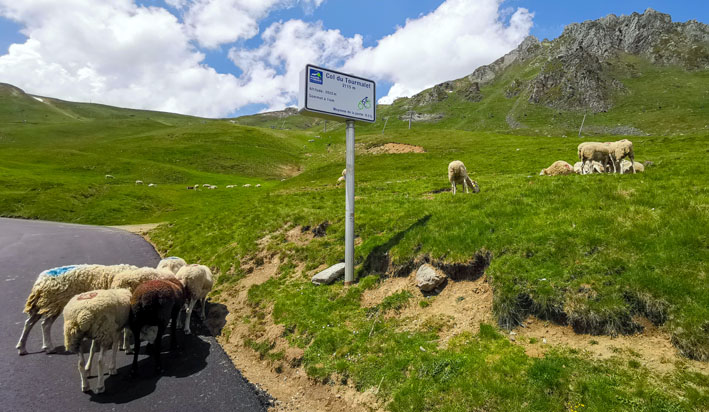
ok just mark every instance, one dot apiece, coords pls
pixel 428 278
pixel 329 275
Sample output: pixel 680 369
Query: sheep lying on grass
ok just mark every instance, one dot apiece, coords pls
pixel 172 263
pixel 593 167
pixel 155 303
pixel 197 280
pixel 626 166
pixel 590 151
pixel 458 174
pixel 557 168
pixel 54 288
pixel 98 315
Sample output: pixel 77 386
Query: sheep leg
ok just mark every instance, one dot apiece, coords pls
pixel 32 318
pixel 158 341
pixel 204 305
pixel 82 371
pixel 190 307
pixel 47 344
pixel 453 184
pixel 465 185
pixel 100 387
pixel 112 368
pixel 126 339
pixel 91 356
pixel 632 162
pixel 136 348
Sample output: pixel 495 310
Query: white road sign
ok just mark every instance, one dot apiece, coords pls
pixel 334 95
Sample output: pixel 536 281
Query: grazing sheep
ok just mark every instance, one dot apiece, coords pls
pixel 152 185
pixel 258 184
pixel 627 165
pixel 589 151
pixel 557 168
pixel 229 186
pixel 54 288
pixel 620 150
pixel 138 182
pixel 190 187
pixel 197 280
pixel 172 263
pixel 247 185
pixel 98 315
pixel 155 303
pixel 206 185
pixel 109 177
pixel 458 174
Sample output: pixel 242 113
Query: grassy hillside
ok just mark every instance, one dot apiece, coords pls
pixel 600 252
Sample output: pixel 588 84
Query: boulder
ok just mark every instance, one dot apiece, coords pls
pixel 329 275
pixel 429 278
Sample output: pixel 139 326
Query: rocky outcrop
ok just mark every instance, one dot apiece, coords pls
pixel 526 50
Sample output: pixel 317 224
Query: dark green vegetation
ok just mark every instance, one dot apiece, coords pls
pixel 593 251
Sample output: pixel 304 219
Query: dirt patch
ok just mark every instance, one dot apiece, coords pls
pixel 395 148
pixel 289 170
pixel 300 235
pixel 652 347
pixel 139 229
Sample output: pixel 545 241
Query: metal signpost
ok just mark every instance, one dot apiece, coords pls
pixel 332 95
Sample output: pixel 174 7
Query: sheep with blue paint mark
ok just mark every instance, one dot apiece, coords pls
pixel 97 315
pixel 54 288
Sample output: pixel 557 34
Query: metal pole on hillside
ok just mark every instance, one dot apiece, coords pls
pixel 386 120
pixel 349 207
pixel 582 122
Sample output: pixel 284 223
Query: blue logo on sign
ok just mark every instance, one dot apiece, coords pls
pixel 315 76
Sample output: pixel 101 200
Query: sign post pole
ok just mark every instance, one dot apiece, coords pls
pixel 349 207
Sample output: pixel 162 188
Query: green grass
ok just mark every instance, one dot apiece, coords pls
pixel 592 251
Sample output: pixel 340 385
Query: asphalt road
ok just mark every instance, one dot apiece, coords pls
pixel 198 378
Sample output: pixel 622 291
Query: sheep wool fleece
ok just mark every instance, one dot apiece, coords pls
pixel 97 314
pixel 55 287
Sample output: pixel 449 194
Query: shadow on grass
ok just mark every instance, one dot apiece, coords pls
pixel 378 259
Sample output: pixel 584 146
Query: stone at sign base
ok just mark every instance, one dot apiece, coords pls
pixel 329 275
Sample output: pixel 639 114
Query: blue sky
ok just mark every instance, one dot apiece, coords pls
pixel 219 58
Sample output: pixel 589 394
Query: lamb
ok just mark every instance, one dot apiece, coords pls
pixel 197 280
pixel 589 151
pixel 172 263
pixel 593 167
pixel 620 150
pixel 98 315
pixel 138 182
pixel 54 288
pixel 627 165
pixel 557 168
pixel 154 303
pixel 458 174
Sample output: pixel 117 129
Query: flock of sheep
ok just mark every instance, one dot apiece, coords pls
pixel 599 157
pixel 108 304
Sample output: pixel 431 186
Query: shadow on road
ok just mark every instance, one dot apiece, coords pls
pixel 190 359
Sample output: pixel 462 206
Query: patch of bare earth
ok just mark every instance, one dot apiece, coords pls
pixel 652 347
pixel 289 170
pixel 395 148
pixel 285 379
pixel 463 305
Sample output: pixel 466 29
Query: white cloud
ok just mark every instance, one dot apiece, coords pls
pixel 115 53
pixel 126 55
pixel 448 43
pixel 287 47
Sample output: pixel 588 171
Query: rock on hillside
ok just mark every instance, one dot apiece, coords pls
pixel 575 70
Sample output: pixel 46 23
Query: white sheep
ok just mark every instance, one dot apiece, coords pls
pixel 172 263
pixel 229 186
pixel 138 182
pixel 98 315
pixel 206 185
pixel 620 150
pixel 109 177
pixel 258 184
pixel 557 168
pixel 54 288
pixel 593 167
pixel 152 185
pixel 458 174
pixel 626 166
pixel 589 151
pixel 247 185
pixel 197 280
